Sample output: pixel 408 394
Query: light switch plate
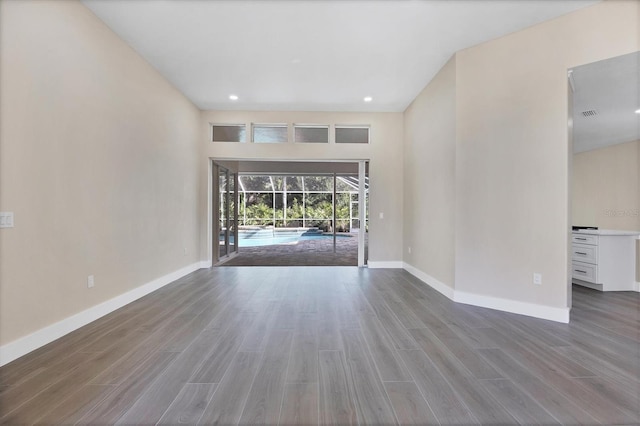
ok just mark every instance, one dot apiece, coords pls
pixel 6 219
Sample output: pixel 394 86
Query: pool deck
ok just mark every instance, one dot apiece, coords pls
pixel 316 252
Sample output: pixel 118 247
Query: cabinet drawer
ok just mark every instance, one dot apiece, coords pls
pixel 585 272
pixel 585 239
pixel 584 253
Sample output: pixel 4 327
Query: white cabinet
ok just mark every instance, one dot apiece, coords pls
pixel 604 260
pixel 578 238
pixel 585 253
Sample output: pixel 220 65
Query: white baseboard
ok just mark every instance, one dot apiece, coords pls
pixel 393 264
pixel 205 264
pixel 523 308
pixel 431 281
pixel 529 309
pixel 35 340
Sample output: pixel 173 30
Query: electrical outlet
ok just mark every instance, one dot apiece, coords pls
pixel 409 250
pixel 185 251
pixel 537 279
pixel 381 215
pixel 90 281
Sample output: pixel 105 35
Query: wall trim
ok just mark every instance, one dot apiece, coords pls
pixel 388 264
pixel 430 281
pixel 506 305
pixel 48 334
pixel 204 264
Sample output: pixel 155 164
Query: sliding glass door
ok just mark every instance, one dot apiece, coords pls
pixel 225 212
pixel 232 214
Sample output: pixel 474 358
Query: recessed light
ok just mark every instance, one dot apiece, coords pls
pixel 233 97
pixel 638 111
pixel 368 98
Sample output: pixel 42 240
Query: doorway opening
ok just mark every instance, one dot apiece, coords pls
pixel 604 188
pixel 290 213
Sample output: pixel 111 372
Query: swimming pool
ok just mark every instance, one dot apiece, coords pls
pixel 243 241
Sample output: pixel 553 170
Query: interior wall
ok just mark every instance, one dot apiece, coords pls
pixel 606 187
pixel 512 165
pixel 384 154
pixel 429 177
pixel 98 161
pixel 570 145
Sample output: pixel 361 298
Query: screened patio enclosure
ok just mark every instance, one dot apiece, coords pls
pixel 316 213
pixel 300 202
pixel 290 213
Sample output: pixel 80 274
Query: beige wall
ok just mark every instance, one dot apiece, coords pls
pixel 512 168
pixel 385 167
pixel 429 177
pixel 509 179
pixel 98 161
pixel 606 187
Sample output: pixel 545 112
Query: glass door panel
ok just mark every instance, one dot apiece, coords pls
pixel 223 212
pixel 232 213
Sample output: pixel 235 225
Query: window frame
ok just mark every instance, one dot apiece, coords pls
pixel 311 126
pixel 269 125
pixel 352 126
pixel 213 125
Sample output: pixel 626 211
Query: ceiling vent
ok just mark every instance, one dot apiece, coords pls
pixel 589 113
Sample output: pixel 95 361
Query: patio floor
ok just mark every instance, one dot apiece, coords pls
pixel 301 253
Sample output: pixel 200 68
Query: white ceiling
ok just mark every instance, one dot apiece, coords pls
pixel 611 88
pixel 322 55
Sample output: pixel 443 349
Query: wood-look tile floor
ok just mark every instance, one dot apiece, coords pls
pixel 303 346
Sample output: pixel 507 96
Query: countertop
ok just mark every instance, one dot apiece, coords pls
pixel 609 232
